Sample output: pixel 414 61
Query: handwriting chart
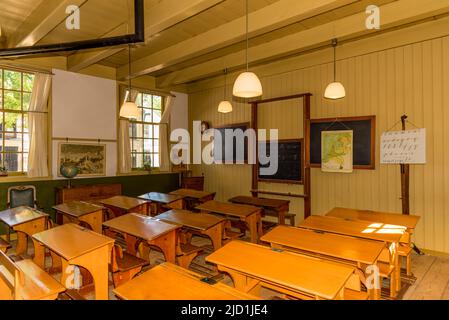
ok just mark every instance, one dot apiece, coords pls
pixel 403 147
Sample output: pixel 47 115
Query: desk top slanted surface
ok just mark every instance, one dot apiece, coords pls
pixel 355 228
pixel 260 202
pixel 328 244
pixel 123 202
pixel 189 219
pixel 190 193
pixel 140 226
pixel 170 282
pixel 17 216
pixel 71 241
pixel 408 221
pixel 161 197
pixel 77 208
pixel 231 209
pixel 295 272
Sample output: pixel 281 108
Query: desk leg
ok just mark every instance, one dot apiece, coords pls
pixel 253 222
pixel 167 244
pixel 39 254
pixel 241 282
pixel 216 235
pixel 22 244
pixel 395 256
pixel 28 229
pixel 94 220
pixel 281 214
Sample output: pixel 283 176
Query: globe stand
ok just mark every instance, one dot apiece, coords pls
pixel 69 183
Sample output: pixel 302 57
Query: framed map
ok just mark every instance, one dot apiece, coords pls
pixel 337 151
pixel 89 158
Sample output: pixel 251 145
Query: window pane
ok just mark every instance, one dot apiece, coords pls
pixel 1 81
pixel 28 80
pixel 156 146
pixel 147 101
pixel 137 160
pixel 135 130
pixel 13 142
pixel 157 115
pixel 147 115
pixel 137 145
pixel 156 162
pixel 156 132
pixel 148 131
pixel 13 80
pixel 157 102
pixel 26 101
pixel 1 98
pixel 25 123
pixel 148 146
pixel 13 100
pixel 12 121
pixel 139 100
pixel 25 162
pixel 147 159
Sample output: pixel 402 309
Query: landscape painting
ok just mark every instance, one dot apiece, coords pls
pixel 89 158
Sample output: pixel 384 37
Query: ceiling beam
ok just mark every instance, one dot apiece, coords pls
pixel 271 17
pixel 48 15
pixel 393 15
pixel 162 16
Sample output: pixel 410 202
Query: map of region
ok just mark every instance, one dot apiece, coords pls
pixel 337 151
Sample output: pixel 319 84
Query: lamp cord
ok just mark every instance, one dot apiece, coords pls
pixel 225 83
pixel 129 71
pixel 247 35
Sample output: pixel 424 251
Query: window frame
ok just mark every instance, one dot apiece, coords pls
pixel 22 113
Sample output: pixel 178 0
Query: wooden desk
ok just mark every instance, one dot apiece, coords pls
pixel 205 224
pixel 121 205
pixel 156 233
pixel 79 211
pixel 170 282
pixel 363 229
pixel 250 215
pixel 78 246
pixel 159 201
pixel 193 197
pixel 356 252
pixel 279 207
pixel 252 266
pixel 26 222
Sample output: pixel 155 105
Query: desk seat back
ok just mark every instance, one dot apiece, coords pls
pixel 10 278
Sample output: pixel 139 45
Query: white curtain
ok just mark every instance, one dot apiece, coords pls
pixel 37 123
pixel 164 135
pixel 124 145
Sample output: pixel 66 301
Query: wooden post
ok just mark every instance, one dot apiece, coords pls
pixel 405 180
pixel 307 179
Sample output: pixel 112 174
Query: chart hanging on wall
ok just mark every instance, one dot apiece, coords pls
pixel 403 147
pixel 337 151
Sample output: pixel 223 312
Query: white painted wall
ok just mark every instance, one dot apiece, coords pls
pixel 179 118
pixel 84 107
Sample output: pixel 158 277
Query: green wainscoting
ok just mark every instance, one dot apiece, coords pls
pixel 131 186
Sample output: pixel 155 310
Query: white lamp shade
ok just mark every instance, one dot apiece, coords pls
pixel 129 110
pixel 225 107
pixel 335 91
pixel 247 85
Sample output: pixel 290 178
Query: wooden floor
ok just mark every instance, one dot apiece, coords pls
pixel 432 274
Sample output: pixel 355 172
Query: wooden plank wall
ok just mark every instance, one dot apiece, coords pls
pixel 411 79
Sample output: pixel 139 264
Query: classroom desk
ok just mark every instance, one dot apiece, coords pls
pixel 193 197
pixel 354 251
pixel 250 215
pixel 390 235
pixel 78 246
pixel 79 211
pixel 160 200
pixel 205 224
pixel 279 207
pixel 121 205
pixel 170 282
pixel 26 222
pixel 252 266
pixel 135 226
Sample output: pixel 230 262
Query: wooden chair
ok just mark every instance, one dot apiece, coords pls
pixel 22 196
pixel 24 280
pixel 405 252
pixel 4 245
pixel 124 266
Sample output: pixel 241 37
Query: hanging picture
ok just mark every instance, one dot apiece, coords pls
pixel 403 147
pixel 337 151
pixel 89 158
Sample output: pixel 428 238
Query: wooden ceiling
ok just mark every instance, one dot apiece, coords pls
pixel 188 40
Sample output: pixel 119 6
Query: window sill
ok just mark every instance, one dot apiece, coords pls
pixel 143 173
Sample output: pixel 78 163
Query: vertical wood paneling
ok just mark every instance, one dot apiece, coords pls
pixel 412 79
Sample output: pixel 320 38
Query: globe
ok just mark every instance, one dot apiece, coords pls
pixel 68 170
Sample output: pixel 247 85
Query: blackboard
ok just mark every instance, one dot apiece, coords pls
pixel 290 162
pixel 226 148
pixel 364 139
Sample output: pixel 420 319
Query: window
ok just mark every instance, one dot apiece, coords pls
pixel 15 95
pixel 144 132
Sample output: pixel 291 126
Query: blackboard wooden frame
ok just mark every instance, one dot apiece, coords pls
pixel 347 121
pixel 301 165
pixel 234 126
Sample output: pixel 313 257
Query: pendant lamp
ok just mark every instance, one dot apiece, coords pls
pixel 129 109
pixel 247 84
pixel 225 106
pixel 335 90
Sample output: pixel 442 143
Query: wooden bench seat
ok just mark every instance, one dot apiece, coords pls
pixel 124 266
pixel 405 251
pixel 291 217
pixel 186 253
pixel 4 245
pixel 355 295
pixel 24 280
